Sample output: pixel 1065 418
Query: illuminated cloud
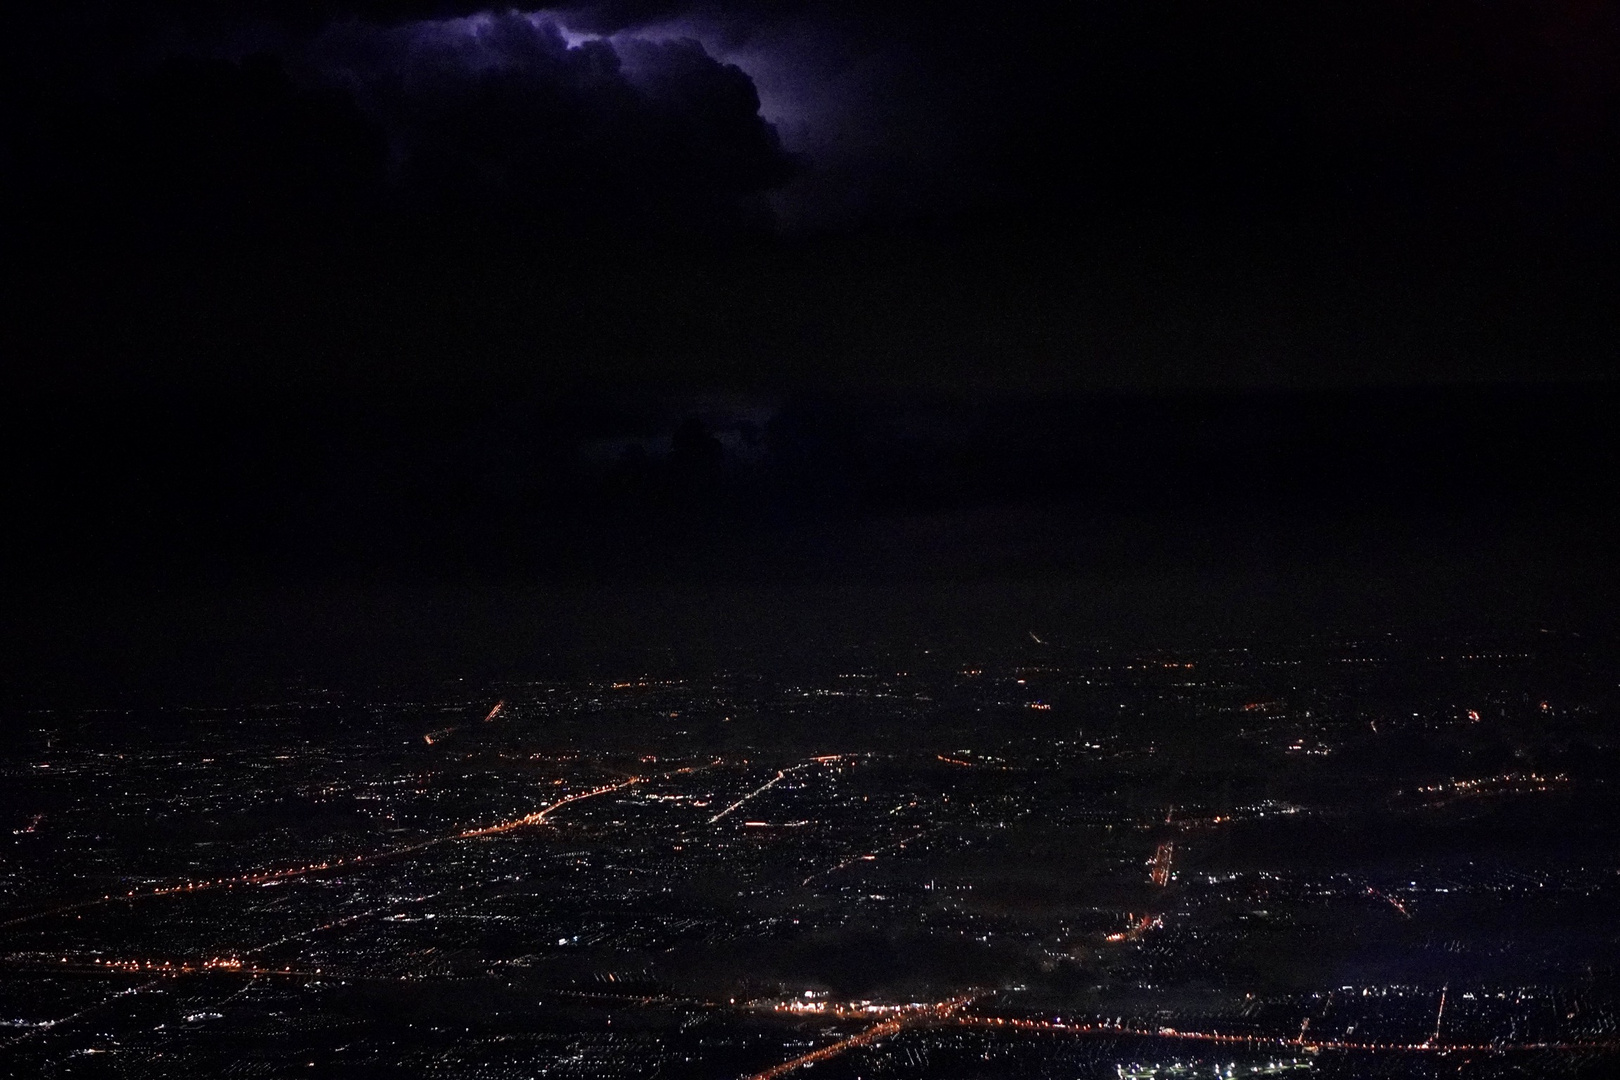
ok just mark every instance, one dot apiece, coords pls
pixel 520 111
pixel 630 110
pixel 841 105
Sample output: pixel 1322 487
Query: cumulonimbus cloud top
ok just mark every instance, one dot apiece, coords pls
pixel 517 107
pixel 641 110
pixel 842 105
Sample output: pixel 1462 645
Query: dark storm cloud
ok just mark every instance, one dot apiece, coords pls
pixel 1258 106
pixel 847 93
pixel 1249 192
pixel 498 124
pixel 505 110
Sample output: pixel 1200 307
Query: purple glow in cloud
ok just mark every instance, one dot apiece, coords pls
pixel 824 93
pixel 515 40
pixel 794 94
pixel 518 110
pixel 846 104
pixel 831 104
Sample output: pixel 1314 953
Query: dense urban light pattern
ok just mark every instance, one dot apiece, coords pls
pixel 930 878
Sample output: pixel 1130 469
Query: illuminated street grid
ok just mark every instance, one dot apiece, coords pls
pixel 1360 858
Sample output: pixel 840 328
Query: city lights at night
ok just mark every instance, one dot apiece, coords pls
pixel 582 867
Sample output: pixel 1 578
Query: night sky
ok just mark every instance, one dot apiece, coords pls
pixel 373 336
